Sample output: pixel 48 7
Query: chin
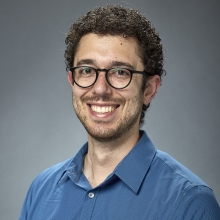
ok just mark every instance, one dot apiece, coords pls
pixel 103 134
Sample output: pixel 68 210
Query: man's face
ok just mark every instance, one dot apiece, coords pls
pixel 105 112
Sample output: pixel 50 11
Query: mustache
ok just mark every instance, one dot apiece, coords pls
pixel 103 98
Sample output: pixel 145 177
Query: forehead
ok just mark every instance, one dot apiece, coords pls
pixel 107 48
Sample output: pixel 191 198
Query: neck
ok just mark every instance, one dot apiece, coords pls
pixel 103 157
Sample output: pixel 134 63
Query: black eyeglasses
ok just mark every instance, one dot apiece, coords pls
pixel 118 78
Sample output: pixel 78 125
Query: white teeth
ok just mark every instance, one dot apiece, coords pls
pixel 103 109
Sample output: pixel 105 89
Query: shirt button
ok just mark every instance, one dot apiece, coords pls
pixel 91 195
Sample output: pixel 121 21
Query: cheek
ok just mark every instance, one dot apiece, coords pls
pixel 75 101
pixel 79 92
pixel 76 94
pixel 133 92
pixel 134 104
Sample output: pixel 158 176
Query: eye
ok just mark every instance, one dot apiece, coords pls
pixel 120 72
pixel 85 71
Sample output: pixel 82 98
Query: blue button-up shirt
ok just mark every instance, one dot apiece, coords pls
pixel 146 184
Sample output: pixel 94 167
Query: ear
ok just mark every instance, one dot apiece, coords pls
pixel 151 88
pixel 70 78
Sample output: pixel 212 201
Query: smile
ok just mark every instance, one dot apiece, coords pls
pixel 102 109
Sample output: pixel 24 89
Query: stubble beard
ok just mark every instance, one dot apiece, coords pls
pixel 123 125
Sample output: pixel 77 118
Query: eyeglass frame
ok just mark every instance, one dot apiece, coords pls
pixel 71 69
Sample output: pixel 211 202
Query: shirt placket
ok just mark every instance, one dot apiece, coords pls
pixel 89 203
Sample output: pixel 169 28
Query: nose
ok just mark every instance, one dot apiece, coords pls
pixel 101 86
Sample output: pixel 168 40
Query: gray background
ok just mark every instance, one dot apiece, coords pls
pixel 38 127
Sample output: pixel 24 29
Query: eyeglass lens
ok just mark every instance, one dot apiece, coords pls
pixel 116 77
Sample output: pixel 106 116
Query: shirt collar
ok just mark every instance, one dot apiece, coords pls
pixel 134 167
pixel 131 170
pixel 73 169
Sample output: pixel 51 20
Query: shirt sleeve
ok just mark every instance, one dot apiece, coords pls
pixel 198 204
pixel 26 205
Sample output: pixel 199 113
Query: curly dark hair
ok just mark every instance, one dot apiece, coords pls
pixel 119 21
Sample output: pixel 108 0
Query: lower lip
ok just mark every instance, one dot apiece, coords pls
pixel 102 115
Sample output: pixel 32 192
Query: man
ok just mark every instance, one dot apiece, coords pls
pixel 114 60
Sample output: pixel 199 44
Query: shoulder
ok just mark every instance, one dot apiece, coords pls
pixel 176 169
pixel 198 203
pixel 192 197
pixel 50 176
pixel 42 186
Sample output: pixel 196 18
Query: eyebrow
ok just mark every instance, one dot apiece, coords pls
pixel 85 61
pixel 113 63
